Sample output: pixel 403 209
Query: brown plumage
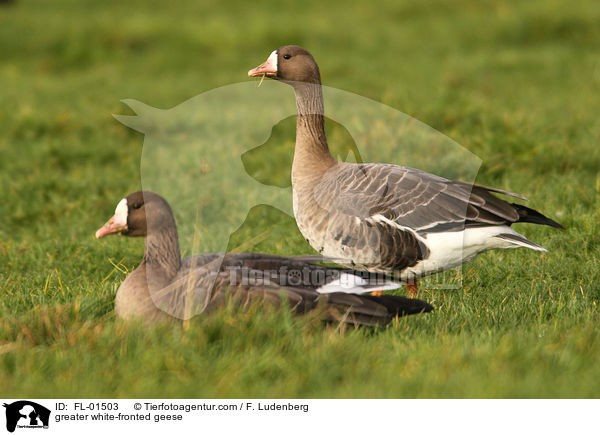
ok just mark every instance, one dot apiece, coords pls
pixel 164 285
pixel 383 217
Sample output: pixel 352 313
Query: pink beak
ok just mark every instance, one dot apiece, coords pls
pixel 110 227
pixel 117 223
pixel 268 68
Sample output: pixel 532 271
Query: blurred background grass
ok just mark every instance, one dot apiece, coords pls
pixel 516 83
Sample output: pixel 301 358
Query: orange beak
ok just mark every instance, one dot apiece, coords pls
pixel 268 68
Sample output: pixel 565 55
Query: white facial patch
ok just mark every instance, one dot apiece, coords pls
pixel 272 60
pixel 120 218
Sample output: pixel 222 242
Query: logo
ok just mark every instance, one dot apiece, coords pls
pixel 26 414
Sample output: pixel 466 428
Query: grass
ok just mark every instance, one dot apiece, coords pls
pixel 516 83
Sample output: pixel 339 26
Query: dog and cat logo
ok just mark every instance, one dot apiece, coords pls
pixel 25 414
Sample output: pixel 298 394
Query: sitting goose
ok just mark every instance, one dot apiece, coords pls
pixel 382 217
pixel 165 282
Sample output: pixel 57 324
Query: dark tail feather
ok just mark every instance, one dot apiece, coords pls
pixel 530 215
pixel 401 306
pixel 370 310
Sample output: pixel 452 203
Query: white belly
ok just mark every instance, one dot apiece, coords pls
pixel 448 250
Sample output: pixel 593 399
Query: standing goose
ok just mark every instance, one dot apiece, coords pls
pixel 164 284
pixel 382 217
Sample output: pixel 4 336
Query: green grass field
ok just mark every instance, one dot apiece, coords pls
pixel 516 83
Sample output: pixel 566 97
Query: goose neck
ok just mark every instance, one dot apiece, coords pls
pixel 162 251
pixel 311 152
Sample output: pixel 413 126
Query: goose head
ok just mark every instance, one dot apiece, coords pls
pixel 136 213
pixel 289 64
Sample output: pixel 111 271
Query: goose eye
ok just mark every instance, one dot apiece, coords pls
pixel 286 56
pixel 138 205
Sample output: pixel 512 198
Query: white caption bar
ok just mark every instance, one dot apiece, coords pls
pixel 266 416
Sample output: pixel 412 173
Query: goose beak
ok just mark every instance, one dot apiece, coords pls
pixel 110 227
pixel 117 223
pixel 268 68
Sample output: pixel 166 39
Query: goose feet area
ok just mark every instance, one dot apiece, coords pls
pixel 411 288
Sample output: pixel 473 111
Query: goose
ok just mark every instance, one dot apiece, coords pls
pixel 164 285
pixel 382 217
